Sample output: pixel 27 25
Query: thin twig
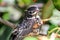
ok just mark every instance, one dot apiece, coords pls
pixel 5 22
pixel 53 30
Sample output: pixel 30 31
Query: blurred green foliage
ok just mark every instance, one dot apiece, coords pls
pixel 57 39
pixel 48 10
pixel 5 31
pixel 6 16
pixel 0 0
pixel 30 38
pixel 56 4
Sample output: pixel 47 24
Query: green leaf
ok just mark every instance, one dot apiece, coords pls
pixel 30 38
pixel 47 10
pixel 55 18
pixel 28 2
pixel 52 26
pixel 6 16
pixel 21 3
pixel 57 39
pixel 0 1
pixel 6 33
pixel 2 29
pixel 56 4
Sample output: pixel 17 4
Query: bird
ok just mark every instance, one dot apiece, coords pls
pixel 26 26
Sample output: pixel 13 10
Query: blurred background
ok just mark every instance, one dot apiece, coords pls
pixel 13 11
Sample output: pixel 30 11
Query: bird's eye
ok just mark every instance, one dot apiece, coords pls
pixel 29 12
pixel 32 11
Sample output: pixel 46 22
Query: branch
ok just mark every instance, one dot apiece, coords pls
pixel 5 22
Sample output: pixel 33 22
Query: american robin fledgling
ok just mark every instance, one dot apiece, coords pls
pixel 30 21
